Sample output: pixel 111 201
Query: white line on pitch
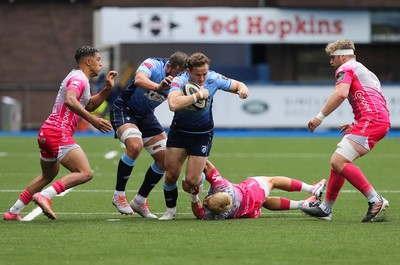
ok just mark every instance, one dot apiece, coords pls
pixel 37 211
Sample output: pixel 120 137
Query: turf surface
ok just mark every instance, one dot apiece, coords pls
pixel 88 229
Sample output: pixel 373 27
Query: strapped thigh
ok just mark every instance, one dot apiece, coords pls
pixel 130 133
pixel 347 150
pixel 156 147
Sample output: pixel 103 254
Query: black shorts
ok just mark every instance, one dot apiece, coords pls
pixel 195 144
pixel 148 125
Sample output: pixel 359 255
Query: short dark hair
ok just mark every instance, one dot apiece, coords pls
pixel 197 59
pixel 84 51
pixel 178 59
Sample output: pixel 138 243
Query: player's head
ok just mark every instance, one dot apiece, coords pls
pixel 218 202
pixel 197 67
pixel 340 52
pixel 88 58
pixel 84 52
pixel 176 63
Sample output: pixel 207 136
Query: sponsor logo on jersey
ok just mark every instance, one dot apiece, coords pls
pixel 148 65
pixel 75 83
pixel 340 76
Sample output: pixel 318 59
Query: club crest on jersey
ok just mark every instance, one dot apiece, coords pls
pixel 340 76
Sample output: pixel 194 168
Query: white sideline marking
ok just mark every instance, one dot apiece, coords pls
pixel 38 211
pixel 111 154
pixel 32 215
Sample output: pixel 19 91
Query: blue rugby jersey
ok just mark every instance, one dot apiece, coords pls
pixel 141 101
pixel 199 121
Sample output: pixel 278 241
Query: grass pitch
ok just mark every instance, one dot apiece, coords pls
pixel 88 229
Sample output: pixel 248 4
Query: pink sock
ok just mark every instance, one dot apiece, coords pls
pixel 295 185
pixel 58 186
pixel 25 197
pixel 285 204
pixel 355 176
pixel 335 183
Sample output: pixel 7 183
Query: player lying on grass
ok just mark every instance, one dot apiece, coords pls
pixel 225 200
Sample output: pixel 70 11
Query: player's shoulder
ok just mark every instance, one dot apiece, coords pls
pixel 217 76
pixel 180 79
pixel 152 63
pixel 77 78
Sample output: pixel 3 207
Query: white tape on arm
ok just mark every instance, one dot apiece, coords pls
pixel 320 116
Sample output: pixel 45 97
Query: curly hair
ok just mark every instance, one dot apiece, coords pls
pixel 219 202
pixel 339 45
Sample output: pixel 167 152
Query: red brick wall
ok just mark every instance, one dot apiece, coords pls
pixel 38 41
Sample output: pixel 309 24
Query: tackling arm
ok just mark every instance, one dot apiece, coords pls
pixel 142 80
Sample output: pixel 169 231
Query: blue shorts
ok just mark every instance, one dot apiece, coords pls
pixel 195 144
pixel 148 125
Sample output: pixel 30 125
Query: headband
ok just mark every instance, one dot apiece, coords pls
pixel 343 52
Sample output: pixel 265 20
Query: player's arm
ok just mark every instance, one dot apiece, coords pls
pixel 239 88
pixel 197 209
pixel 96 100
pixel 72 102
pixel 177 100
pixel 143 80
pixel 340 93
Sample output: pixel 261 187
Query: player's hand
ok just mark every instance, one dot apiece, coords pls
pixel 110 79
pixel 205 92
pixel 346 127
pixel 102 125
pixel 313 124
pixel 165 83
pixel 243 93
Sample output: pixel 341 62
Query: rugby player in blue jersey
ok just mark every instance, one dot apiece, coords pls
pixel 136 126
pixel 191 132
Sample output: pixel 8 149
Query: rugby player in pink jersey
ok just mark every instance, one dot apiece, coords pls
pixel 225 200
pixel 371 123
pixel 56 144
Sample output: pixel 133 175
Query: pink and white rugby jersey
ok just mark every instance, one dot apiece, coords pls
pixel 365 97
pixel 62 117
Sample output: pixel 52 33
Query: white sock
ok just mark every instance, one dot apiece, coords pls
pixel 326 207
pixel 307 188
pixel 118 193
pixel 140 199
pixel 171 209
pixel 50 192
pixel 373 197
pixel 17 207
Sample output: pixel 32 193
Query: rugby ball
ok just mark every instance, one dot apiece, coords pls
pixel 190 88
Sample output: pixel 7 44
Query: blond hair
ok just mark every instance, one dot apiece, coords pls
pixel 339 45
pixel 219 202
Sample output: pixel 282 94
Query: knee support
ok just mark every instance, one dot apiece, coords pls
pixel 156 147
pixel 130 133
pixel 346 149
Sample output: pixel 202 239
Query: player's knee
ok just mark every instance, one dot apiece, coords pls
pixel 129 136
pixel 191 181
pixel 344 153
pixel 87 175
pixel 134 148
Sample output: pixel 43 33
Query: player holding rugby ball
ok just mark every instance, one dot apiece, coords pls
pixel 191 132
